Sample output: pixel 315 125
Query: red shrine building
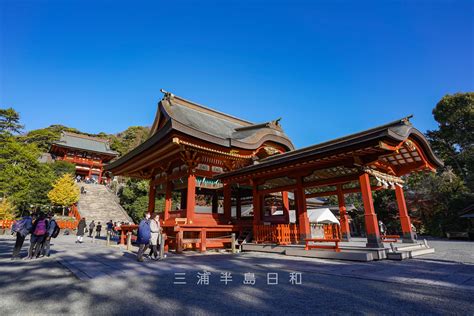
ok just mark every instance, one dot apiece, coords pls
pixel 220 174
pixel 89 154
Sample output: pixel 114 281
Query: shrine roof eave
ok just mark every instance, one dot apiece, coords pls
pixel 219 128
pixel 111 153
pixel 394 132
pixel 134 153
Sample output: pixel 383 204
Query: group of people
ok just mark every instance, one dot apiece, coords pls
pixel 42 228
pixel 95 230
pixel 150 235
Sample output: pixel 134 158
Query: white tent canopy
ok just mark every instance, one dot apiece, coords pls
pixel 322 216
pixel 316 216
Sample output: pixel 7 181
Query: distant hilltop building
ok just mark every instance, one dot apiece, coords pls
pixel 89 154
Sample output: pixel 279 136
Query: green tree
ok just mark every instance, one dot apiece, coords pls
pixel 129 139
pixel 44 137
pixel 23 178
pixel 10 122
pixel 453 140
pixel 7 209
pixel 61 167
pixel 65 191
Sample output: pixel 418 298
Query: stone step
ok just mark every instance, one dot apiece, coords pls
pixel 410 247
pixel 402 255
pixel 100 205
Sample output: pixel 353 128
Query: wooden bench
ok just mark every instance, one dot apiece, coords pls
pixel 333 247
pixel 391 238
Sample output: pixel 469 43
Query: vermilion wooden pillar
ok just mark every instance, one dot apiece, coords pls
pixel 227 201
pixel 286 205
pixel 256 206
pixel 191 198
pixel 371 223
pixel 345 230
pixel 303 220
pixel 151 197
pixel 168 199
pixel 408 236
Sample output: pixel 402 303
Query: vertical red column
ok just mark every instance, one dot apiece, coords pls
pixel 168 199
pixel 191 198
pixel 286 206
pixel 303 220
pixel 227 201
pixel 151 197
pixel 408 236
pixel 371 223
pixel 345 229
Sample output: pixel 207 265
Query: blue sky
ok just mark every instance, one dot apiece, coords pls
pixel 329 68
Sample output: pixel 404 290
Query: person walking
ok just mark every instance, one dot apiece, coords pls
pixel 110 228
pixel 155 230
pixel 382 228
pixel 22 228
pixel 91 228
pixel 52 226
pixel 81 227
pixel 39 231
pixel 98 229
pixel 144 235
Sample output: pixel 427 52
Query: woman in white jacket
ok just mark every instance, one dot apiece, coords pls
pixel 155 234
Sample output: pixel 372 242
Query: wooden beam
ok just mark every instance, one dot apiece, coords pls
pixel 344 191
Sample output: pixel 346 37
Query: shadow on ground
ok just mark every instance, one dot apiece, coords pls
pixel 44 286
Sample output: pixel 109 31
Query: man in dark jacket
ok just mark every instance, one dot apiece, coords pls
pixel 81 228
pixel 98 229
pixel 144 236
pixel 22 228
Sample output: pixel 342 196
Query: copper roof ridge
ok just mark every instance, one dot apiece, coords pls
pixel 199 107
pixel 270 124
pixel 86 137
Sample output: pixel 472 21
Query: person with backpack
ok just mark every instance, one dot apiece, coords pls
pixel 81 228
pixel 52 232
pixel 143 236
pixel 91 228
pixel 39 231
pixel 22 228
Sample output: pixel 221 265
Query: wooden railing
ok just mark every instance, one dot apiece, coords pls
pixel 279 234
pixel 200 237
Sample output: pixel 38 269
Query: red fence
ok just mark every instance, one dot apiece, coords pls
pixel 279 234
pixel 6 223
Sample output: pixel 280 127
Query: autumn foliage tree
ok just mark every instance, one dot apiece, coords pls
pixel 65 192
pixel 7 209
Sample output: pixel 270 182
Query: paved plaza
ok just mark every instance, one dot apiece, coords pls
pixel 91 278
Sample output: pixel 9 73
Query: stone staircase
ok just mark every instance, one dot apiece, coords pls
pixel 101 205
